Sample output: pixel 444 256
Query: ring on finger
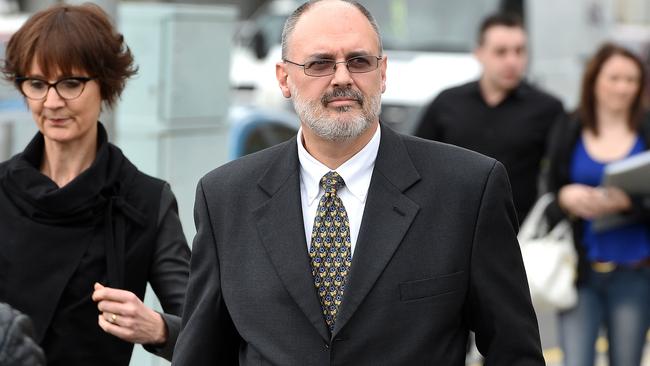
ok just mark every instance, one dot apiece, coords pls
pixel 112 318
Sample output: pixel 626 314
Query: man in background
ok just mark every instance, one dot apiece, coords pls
pixel 499 115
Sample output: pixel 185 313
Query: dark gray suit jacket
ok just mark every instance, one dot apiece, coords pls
pixel 436 256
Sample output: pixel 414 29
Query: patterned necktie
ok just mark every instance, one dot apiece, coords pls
pixel 330 250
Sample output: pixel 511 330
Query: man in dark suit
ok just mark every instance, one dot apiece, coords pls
pixel 405 246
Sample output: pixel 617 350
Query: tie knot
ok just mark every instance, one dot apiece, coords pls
pixel 331 182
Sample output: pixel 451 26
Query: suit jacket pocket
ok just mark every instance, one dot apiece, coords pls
pixel 430 287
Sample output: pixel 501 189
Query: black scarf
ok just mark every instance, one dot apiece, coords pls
pixel 53 225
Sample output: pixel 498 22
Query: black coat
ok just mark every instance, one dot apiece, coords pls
pixel 17 347
pixel 436 256
pixel 57 242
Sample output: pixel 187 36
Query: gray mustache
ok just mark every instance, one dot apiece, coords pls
pixel 342 93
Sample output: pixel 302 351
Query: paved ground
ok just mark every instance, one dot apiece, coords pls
pixel 552 352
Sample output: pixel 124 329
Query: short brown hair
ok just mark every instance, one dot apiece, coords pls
pixel 587 107
pixel 67 37
pixel 510 20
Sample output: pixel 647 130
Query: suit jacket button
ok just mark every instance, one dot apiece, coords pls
pixel 327 346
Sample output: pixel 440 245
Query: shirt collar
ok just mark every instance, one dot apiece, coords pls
pixel 356 171
pixel 520 91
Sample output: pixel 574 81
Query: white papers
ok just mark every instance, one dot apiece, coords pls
pixel 632 175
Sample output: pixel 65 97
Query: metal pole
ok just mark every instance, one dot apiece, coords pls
pixel 6 133
pixel 31 6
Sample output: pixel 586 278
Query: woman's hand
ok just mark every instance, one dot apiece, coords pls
pixel 123 315
pixel 588 202
pixel 616 200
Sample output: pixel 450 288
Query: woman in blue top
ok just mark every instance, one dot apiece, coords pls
pixel 613 271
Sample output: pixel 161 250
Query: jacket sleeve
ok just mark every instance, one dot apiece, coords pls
pixel 641 203
pixel 169 271
pixel 208 336
pixel 499 305
pixel 641 207
pixel 427 127
pixel 556 174
pixel 17 346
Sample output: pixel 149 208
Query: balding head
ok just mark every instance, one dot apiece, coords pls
pixel 290 24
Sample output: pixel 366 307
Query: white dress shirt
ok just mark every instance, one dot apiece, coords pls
pixel 356 172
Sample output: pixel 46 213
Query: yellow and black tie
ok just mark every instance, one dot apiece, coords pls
pixel 330 251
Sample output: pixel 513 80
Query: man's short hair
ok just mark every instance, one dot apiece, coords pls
pixel 290 23
pixel 510 20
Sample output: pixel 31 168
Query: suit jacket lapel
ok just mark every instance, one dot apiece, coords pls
pixel 280 227
pixel 387 217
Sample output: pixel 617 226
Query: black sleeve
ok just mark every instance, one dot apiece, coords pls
pixel 500 309
pixel 427 127
pixel 169 271
pixel 556 172
pixel 555 115
pixel 208 335
pixel 641 207
pixel 641 203
pixel 17 344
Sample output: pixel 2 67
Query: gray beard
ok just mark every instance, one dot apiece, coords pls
pixel 341 127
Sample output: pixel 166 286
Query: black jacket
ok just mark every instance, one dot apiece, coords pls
pixel 17 347
pixel 104 226
pixel 436 256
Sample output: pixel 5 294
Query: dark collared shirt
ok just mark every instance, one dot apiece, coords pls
pixel 513 132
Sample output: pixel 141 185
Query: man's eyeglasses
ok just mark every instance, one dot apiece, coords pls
pixel 356 65
pixel 67 88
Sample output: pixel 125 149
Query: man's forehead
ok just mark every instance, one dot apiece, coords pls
pixel 330 7
pixel 329 25
pixel 502 35
pixel 329 15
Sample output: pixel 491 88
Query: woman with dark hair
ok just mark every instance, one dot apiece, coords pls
pixel 83 230
pixel 613 271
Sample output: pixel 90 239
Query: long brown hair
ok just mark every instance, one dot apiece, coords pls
pixel 587 108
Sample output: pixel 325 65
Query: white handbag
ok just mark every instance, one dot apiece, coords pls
pixel 550 259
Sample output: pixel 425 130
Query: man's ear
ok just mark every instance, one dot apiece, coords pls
pixel 282 76
pixel 383 65
pixel 478 53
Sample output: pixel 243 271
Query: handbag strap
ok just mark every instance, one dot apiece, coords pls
pixel 535 220
pixel 562 230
